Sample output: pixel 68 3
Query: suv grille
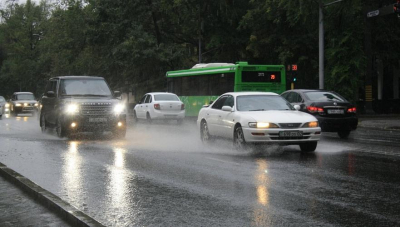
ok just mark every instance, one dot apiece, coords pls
pixel 96 110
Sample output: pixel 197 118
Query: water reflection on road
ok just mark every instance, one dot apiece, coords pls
pixel 72 173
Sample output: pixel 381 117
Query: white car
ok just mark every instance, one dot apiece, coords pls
pixel 258 117
pixel 159 105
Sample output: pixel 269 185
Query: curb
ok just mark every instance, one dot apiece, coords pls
pixel 54 203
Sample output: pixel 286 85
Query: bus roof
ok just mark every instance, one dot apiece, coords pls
pixel 218 68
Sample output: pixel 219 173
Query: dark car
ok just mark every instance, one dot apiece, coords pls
pixel 81 104
pixel 23 102
pixel 334 113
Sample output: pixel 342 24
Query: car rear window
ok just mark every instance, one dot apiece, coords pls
pixel 166 97
pixel 324 96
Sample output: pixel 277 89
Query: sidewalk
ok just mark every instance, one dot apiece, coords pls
pixel 379 121
pixel 24 203
pixel 19 209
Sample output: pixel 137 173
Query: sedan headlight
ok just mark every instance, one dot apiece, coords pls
pixel 119 108
pixel 72 108
pixel 262 125
pixel 18 104
pixel 312 124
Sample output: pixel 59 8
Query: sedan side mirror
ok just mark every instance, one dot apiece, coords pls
pixel 297 107
pixel 50 94
pixel 227 108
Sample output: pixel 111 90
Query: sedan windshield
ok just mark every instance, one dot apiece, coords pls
pixel 85 87
pixel 166 97
pixel 322 96
pixel 262 103
pixel 25 97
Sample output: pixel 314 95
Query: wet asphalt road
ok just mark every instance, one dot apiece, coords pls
pixel 162 175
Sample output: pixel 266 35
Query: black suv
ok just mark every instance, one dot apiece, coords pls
pixel 81 103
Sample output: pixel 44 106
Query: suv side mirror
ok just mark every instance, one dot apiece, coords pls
pixel 297 107
pixel 117 94
pixel 50 94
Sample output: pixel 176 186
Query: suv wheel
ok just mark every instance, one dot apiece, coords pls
pixel 120 133
pixel 60 128
pixel 43 123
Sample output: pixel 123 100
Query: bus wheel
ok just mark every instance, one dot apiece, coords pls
pixel 204 133
pixel 148 118
pixel 238 139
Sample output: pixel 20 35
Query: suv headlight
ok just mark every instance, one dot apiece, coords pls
pixel 119 108
pixel 72 108
pixel 18 104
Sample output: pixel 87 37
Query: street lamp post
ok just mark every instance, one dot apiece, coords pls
pixel 321 42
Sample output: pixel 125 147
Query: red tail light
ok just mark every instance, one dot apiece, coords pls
pixel 182 106
pixel 157 106
pixel 313 109
pixel 352 110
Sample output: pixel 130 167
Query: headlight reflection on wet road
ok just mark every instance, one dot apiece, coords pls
pixel 72 173
pixel 260 213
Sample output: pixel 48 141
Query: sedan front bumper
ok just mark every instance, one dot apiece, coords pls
pixel 256 135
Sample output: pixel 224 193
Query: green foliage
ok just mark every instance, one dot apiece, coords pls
pixel 136 42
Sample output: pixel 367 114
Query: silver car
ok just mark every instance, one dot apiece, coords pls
pixel 23 102
pixel 3 104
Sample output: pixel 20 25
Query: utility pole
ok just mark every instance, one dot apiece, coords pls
pixel 321 42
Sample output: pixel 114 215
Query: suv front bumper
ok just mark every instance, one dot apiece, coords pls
pixel 94 123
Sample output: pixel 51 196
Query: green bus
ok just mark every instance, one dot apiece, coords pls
pixel 205 82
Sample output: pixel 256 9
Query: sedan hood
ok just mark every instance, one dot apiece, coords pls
pixel 283 116
pixel 26 101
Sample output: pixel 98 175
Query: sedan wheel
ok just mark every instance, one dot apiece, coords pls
pixel 204 133
pixel 238 140
pixel 344 134
pixel 135 119
pixel 308 147
pixel 148 118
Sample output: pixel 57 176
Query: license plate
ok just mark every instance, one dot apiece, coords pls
pixel 290 134
pixel 336 111
pixel 97 120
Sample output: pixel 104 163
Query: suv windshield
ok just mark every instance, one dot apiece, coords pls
pixel 262 103
pixel 166 97
pixel 25 97
pixel 85 87
pixel 324 96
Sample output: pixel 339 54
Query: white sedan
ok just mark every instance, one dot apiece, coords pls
pixel 159 105
pixel 258 117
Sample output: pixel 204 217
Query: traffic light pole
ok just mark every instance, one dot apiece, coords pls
pixel 321 42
